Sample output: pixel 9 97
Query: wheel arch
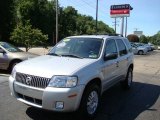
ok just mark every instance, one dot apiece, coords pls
pixel 131 66
pixel 12 61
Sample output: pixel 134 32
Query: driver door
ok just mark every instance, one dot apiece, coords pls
pixel 110 67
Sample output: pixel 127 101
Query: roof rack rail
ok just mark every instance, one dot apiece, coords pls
pixel 109 34
pixel 115 34
pixel 112 34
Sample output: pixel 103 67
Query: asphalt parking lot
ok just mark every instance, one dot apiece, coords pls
pixel 142 102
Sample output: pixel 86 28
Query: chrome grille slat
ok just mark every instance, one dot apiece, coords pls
pixel 36 81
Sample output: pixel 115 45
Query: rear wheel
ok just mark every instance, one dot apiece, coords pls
pixel 127 83
pixel 140 52
pixel 90 101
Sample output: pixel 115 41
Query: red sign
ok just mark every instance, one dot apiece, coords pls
pixel 124 11
pixel 120 10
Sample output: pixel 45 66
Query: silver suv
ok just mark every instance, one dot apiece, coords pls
pixel 74 74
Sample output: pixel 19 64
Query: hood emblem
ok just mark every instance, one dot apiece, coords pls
pixel 28 80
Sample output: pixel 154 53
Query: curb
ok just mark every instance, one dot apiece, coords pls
pixel 4 75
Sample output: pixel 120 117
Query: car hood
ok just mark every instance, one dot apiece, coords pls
pixel 23 55
pixel 47 66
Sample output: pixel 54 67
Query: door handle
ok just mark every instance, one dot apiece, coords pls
pixel 117 64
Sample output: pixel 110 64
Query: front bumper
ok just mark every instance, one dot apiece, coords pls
pixel 47 98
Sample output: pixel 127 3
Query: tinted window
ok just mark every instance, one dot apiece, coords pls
pixel 111 47
pixel 122 47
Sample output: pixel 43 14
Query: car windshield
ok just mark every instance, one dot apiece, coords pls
pixel 9 47
pixel 78 47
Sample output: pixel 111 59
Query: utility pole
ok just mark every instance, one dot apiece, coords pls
pixel 115 23
pixel 127 22
pixel 56 21
pixel 122 25
pixel 97 17
pixel 126 28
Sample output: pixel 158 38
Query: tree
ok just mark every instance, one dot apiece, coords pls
pixel 28 37
pixel 40 13
pixel 133 38
pixel 143 39
pixel 6 15
pixel 155 39
pixel 68 23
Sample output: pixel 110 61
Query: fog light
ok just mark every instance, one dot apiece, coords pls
pixel 59 105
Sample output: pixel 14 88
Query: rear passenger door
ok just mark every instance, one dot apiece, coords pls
pixel 122 59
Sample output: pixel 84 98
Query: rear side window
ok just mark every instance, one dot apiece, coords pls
pixel 128 45
pixel 122 47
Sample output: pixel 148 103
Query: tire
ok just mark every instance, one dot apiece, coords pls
pixel 127 83
pixel 90 102
pixel 140 52
pixel 12 64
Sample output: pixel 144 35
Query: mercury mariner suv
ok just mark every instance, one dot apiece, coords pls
pixel 74 74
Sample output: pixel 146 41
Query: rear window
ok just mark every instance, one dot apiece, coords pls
pixel 128 45
pixel 122 47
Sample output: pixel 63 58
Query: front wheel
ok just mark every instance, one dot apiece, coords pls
pixel 90 101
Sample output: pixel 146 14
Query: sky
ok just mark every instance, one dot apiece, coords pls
pixel 145 15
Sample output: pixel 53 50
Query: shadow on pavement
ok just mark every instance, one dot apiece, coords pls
pixel 116 104
pixel 38 114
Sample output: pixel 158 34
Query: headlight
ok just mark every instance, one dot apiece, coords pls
pixel 63 81
pixel 13 74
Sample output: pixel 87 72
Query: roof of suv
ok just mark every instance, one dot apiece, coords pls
pixel 95 36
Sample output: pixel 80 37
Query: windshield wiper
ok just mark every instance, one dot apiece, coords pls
pixel 54 54
pixel 72 55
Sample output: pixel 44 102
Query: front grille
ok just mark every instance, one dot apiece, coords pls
pixel 34 81
pixel 30 99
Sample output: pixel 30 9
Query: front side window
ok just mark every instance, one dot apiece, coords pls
pixel 111 47
pixel 122 47
pixel 78 47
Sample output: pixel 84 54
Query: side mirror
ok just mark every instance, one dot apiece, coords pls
pixel 110 56
pixel 2 51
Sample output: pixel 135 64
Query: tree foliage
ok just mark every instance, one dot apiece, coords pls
pixel 40 13
pixel 28 37
pixel 42 16
pixel 6 15
pixel 73 23
pixel 144 39
pixel 155 39
pixel 133 38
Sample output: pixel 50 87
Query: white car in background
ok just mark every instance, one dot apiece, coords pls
pixel 138 49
